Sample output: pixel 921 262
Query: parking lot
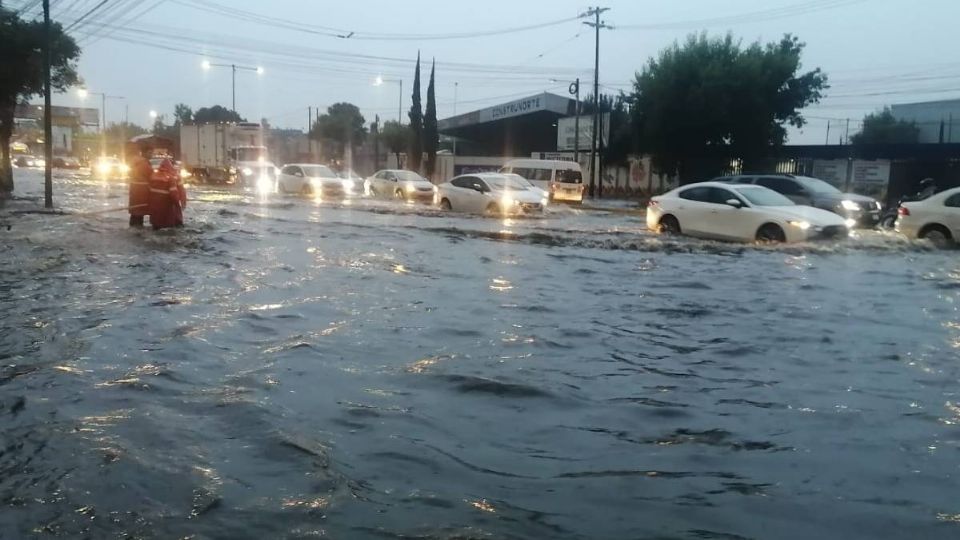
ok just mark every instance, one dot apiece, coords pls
pixel 371 368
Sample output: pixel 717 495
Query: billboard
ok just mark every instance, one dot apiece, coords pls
pixel 566 132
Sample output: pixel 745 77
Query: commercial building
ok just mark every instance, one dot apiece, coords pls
pixel 935 119
pixel 66 121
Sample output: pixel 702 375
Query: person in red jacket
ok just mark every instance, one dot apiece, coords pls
pixel 167 197
pixel 139 184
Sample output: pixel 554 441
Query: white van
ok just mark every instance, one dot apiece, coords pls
pixel 563 180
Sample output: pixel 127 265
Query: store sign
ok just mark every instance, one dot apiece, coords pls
pixel 832 171
pixel 567 132
pixel 516 108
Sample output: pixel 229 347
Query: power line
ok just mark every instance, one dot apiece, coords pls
pixel 792 10
pixel 83 17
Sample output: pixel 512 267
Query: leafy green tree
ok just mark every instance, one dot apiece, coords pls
pixel 395 136
pixel 883 128
pixel 21 65
pixel 712 94
pixel 431 137
pixel 343 125
pixel 415 155
pixel 216 114
pixel 182 114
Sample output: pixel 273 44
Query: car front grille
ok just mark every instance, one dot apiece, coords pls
pixel 527 207
pixel 833 231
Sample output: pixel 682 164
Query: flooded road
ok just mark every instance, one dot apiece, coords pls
pixel 283 368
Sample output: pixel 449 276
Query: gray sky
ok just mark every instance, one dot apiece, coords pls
pixel 876 52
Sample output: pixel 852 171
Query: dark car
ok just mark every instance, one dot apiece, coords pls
pixel 865 211
pixel 66 162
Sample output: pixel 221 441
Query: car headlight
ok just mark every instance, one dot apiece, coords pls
pixel 124 168
pixel 850 223
pixel 544 201
pixel 347 185
pixel 800 224
pixel 849 205
pixel 247 171
pixel 878 205
pixel 264 184
pixel 185 173
pixel 103 168
pixel 410 187
pixel 508 201
pixel 436 189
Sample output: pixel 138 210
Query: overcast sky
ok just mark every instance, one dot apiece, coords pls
pixel 875 52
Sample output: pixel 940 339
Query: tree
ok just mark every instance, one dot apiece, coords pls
pixel 713 97
pixel 431 138
pixel 215 115
pixel 343 125
pixel 182 114
pixel 883 128
pixel 415 156
pixel 395 136
pixel 21 63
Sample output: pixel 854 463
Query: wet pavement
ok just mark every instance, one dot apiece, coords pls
pixel 287 368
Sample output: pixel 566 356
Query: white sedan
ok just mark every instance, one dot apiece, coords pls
pixel 312 179
pixel 741 212
pixel 400 184
pixel 936 218
pixel 492 193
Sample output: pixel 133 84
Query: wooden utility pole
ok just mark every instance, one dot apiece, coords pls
pixel 597 25
pixel 47 119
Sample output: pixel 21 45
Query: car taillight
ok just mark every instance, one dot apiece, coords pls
pixel 553 187
pixel 903 211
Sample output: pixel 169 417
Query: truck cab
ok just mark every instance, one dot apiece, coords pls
pixel 252 167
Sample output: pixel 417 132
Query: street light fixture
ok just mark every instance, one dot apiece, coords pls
pixel 379 82
pixel 153 114
pixel 206 65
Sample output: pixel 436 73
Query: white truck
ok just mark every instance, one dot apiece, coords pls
pixel 227 153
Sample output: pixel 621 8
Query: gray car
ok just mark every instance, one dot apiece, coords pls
pixel 865 211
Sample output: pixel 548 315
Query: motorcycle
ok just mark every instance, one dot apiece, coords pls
pixel 888 219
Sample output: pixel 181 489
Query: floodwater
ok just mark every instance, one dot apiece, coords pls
pixel 283 368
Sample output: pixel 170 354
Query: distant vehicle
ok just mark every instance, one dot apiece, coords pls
pixel 936 218
pixel 863 210
pixel 491 193
pixel 746 213
pixel 401 185
pixel 562 179
pixel 227 153
pixel 27 160
pixel 66 162
pixel 311 179
pixel 110 168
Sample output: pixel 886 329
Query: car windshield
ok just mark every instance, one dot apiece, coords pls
pixel 409 176
pixel 519 179
pixel 816 185
pixel 759 196
pixel 501 183
pixel 318 171
pixel 254 153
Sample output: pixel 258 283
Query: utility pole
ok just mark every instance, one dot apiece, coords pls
pixel 847 136
pixel 828 133
pixel 47 113
pixel 575 90
pixel 597 25
pixel 456 86
pixel 376 143
pixel 309 120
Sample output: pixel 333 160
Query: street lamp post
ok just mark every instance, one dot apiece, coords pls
pixel 83 92
pixel 379 82
pixel 233 76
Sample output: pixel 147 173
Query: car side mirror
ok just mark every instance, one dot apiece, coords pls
pixel 477 188
pixel 736 203
pixel 298 174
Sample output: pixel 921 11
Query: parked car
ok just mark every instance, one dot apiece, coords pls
pixel 863 210
pixel 66 162
pixel 401 185
pixel 110 168
pixel 936 218
pixel 740 212
pixel 562 179
pixel 492 193
pixel 309 178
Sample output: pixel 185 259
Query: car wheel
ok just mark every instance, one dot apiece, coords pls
pixel 771 233
pixel 493 208
pixel 445 204
pixel 669 225
pixel 305 190
pixel 938 235
pixel 888 222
